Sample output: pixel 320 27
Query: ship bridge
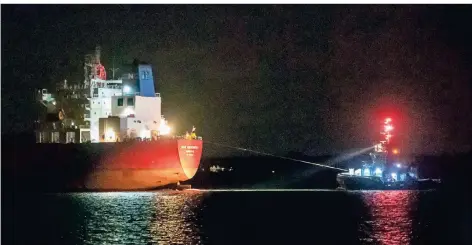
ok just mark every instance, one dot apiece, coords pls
pixel 125 108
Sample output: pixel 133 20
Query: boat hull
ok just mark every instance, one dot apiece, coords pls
pixel 352 182
pixel 138 165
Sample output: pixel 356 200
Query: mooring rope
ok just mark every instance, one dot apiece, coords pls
pixel 272 155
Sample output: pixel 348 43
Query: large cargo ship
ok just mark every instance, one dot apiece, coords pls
pixel 104 135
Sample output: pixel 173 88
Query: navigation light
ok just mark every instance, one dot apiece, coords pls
pixel 126 89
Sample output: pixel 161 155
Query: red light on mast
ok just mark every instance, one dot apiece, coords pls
pixel 101 73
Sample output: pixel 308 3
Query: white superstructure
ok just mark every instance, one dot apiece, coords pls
pixel 105 110
pixel 139 116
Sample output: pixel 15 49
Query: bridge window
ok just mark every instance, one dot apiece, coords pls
pixel 130 102
pixel 120 102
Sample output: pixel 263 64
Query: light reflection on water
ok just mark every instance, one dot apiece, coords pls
pixel 142 217
pixel 175 218
pixel 391 220
pixel 230 217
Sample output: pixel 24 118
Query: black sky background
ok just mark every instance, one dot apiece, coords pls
pixel 311 78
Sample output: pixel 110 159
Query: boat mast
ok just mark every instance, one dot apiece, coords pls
pixel 387 133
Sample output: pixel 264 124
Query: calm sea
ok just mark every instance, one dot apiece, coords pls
pixel 237 217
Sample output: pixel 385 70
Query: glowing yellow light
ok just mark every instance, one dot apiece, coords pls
pixel 110 135
pixel 395 151
pixel 145 133
pixel 164 129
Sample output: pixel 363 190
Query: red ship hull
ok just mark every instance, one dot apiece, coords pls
pixel 145 165
pixel 105 166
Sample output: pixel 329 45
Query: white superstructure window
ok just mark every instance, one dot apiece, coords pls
pixel 130 102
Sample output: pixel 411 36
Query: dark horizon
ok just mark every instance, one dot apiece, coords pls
pixel 314 79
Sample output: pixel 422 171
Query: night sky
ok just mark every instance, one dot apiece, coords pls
pixel 316 79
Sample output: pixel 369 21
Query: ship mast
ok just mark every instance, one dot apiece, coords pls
pixel 386 145
pixel 113 70
pixel 382 151
pixel 387 133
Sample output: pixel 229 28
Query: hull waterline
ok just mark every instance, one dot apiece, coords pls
pixel 350 182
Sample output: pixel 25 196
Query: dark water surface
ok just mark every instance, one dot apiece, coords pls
pixel 237 217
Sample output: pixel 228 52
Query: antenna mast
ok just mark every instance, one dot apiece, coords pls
pixel 114 69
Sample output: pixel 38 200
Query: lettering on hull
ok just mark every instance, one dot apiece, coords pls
pixel 189 149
